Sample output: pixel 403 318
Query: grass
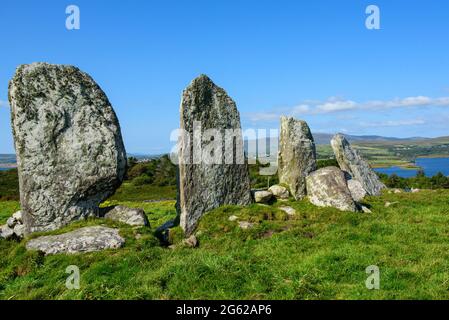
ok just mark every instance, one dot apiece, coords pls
pixel 320 254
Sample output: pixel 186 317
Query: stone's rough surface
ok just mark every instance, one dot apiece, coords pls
pixel 279 192
pixel 289 210
pixel 204 186
pixel 86 239
pixel 246 225
pixel 13 227
pixel 327 187
pixel 6 232
pixel 131 216
pixel 297 155
pixel 69 147
pixel 262 196
pixel 191 241
pixel 351 162
pixel 356 189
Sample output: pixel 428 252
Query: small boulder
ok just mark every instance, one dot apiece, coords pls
pixel 18 216
pixel 19 230
pixel 415 190
pixel 327 187
pixel 6 232
pixel 365 209
pixel 130 216
pixel 289 210
pixel 279 192
pixel 233 218
pixel 262 196
pixel 191 242
pixel 11 222
pixel 86 239
pixel 245 225
pixel 356 189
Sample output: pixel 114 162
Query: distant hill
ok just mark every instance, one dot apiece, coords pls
pixel 325 138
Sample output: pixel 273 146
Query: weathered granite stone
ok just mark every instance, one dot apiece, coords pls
pixel 356 189
pixel 130 216
pixel 262 196
pixel 288 210
pixel 351 162
pixel 6 232
pixel 86 239
pixel 19 230
pixel 297 155
pixel 205 185
pixel 327 187
pixel 69 148
pixel 279 192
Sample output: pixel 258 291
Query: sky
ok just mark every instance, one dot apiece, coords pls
pixel 314 60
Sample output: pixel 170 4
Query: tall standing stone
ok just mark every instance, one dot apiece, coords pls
pixel 297 155
pixel 207 177
pixel 69 147
pixel 351 162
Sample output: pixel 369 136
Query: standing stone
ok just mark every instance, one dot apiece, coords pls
pixel 207 177
pixel 297 155
pixel 69 147
pixel 351 162
pixel 327 187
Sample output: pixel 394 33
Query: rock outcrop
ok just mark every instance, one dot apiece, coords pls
pixel 131 216
pixel 279 192
pixel 86 239
pixel 351 162
pixel 14 227
pixel 327 187
pixel 262 196
pixel 356 189
pixel 69 147
pixel 204 184
pixel 297 155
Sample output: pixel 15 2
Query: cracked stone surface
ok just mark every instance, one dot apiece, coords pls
pixel 297 155
pixel 202 186
pixel 351 162
pixel 68 142
pixel 86 239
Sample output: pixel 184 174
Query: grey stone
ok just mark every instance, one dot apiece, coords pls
pixel 289 210
pixel 18 216
pixel 11 222
pixel 297 155
pixel 130 216
pixel 191 241
pixel 245 225
pixel 204 186
pixel 356 189
pixel 366 209
pixel 233 218
pixel 19 230
pixel 6 232
pixel 262 196
pixel 351 162
pixel 86 239
pixel 69 147
pixel 327 187
pixel 279 192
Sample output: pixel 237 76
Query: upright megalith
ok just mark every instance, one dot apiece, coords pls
pixel 212 166
pixel 297 155
pixel 352 163
pixel 69 147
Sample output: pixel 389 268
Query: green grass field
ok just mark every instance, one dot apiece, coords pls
pixel 320 254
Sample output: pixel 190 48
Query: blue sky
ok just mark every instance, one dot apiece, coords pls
pixel 312 59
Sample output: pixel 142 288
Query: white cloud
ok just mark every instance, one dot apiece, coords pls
pixel 335 104
pixel 393 123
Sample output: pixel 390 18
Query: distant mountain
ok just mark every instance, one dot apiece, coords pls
pixel 325 138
